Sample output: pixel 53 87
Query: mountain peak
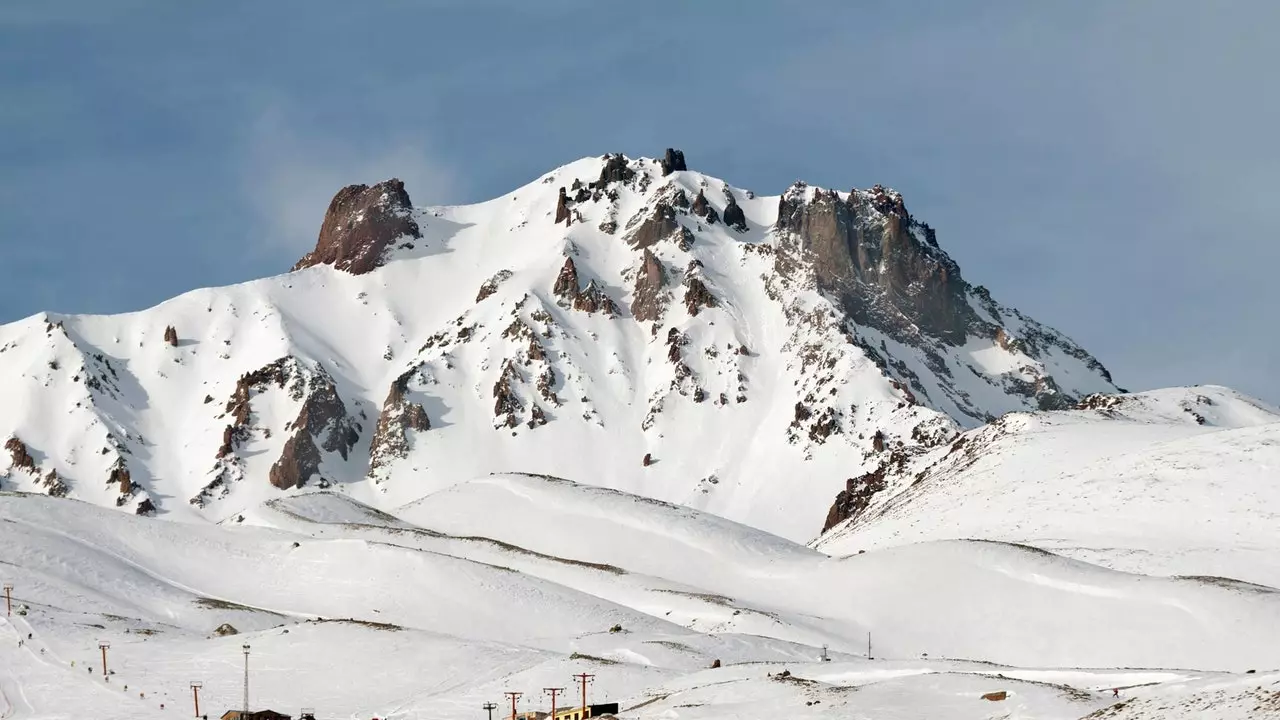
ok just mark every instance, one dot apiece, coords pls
pixel 361 224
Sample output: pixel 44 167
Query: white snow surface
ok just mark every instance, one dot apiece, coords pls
pixel 1176 482
pixel 514 582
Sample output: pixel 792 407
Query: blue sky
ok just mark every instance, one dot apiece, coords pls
pixel 1110 168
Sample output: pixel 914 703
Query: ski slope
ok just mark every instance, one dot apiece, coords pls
pixel 514 582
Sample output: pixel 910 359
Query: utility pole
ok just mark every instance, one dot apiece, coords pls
pixel 490 707
pixel 103 644
pixel 8 598
pixel 514 696
pixel 553 692
pixel 869 646
pixel 195 691
pixel 584 678
pixel 246 678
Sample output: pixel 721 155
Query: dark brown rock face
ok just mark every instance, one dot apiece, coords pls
pixel 171 335
pixel 660 225
pixel 567 281
pixel 615 170
pixel 362 223
pixel 647 305
pixel 506 406
pixel 696 295
pixel 299 460
pixel 562 209
pixel 865 252
pixel 703 209
pixel 734 217
pixel 22 459
pixel 399 415
pixel 855 497
pixel 119 475
pixel 593 299
pixel 673 161
pixel 590 299
pixel 322 417
pixel 146 507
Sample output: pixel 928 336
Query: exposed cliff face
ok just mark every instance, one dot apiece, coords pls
pixel 649 299
pixel 361 225
pixel 321 416
pixel 865 251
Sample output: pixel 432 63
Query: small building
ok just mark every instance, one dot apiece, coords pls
pixel 590 711
pixel 254 715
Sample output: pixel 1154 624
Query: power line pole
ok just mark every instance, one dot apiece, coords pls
pixel 553 692
pixel 514 696
pixel 490 707
pixel 246 678
pixel 104 645
pixel 8 598
pixel 869 646
pixel 195 690
pixel 584 678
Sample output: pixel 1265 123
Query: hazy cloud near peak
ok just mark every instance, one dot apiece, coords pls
pixel 291 171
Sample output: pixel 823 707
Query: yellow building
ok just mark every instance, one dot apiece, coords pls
pixel 590 711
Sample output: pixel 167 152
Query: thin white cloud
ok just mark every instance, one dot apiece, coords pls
pixel 291 172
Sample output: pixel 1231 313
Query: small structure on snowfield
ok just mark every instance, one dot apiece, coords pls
pixel 254 715
pixel 590 711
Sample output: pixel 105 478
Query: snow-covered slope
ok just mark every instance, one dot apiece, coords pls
pixel 435 609
pixel 1179 482
pixel 757 350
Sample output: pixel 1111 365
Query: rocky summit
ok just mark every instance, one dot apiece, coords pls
pixel 627 322
pixel 361 225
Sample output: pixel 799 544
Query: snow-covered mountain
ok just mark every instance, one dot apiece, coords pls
pixel 1180 481
pixel 623 322
pixel 595 426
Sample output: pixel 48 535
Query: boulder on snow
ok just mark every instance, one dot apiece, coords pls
pixel 361 224
pixel 995 696
pixel 171 335
pixel 225 629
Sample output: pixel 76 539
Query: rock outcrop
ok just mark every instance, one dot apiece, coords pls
pixel 696 295
pixel 22 459
pixel 866 251
pixel 672 161
pixel 562 209
pixel 615 170
pixel 566 285
pixel 703 209
pixel 171 336
pixel 593 299
pixel 659 225
pixel 649 297
pixel 361 225
pixel 590 299
pixel 734 217
pixel 322 415
pixel 399 416
pixel 856 496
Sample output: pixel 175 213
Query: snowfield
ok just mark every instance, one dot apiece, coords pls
pixel 1171 482
pixel 514 582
